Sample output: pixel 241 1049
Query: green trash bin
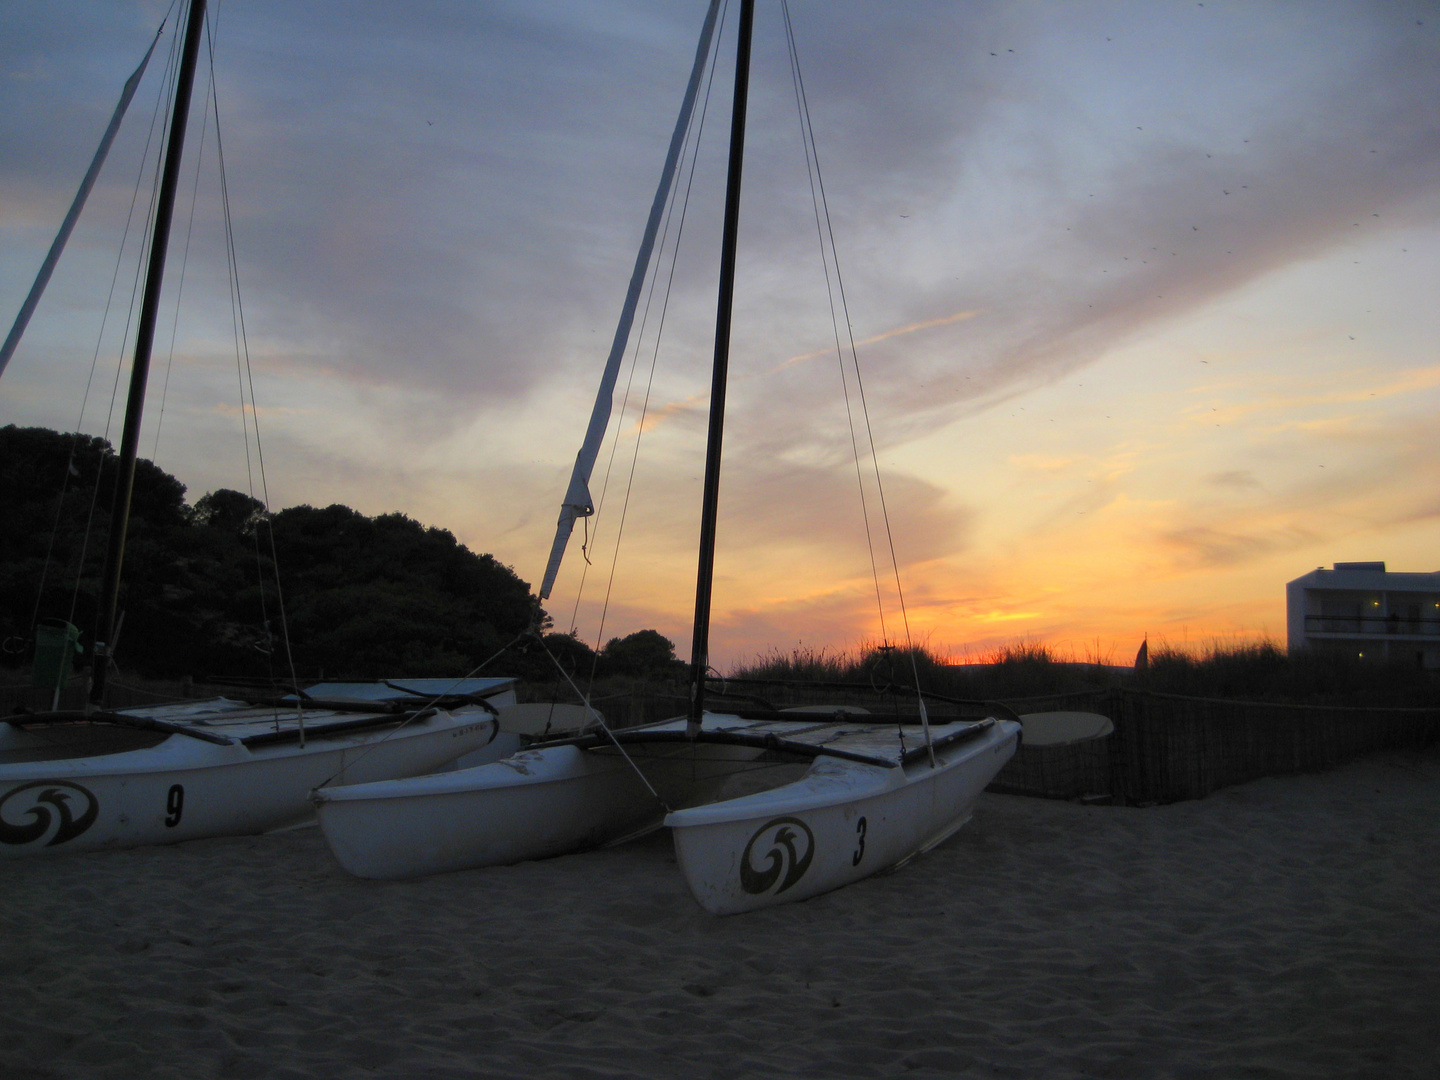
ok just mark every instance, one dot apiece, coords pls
pixel 57 643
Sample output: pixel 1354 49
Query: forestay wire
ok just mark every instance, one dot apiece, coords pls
pixel 185 254
pixel 578 501
pixel 423 709
pixel 155 134
pixel 70 466
pixel 837 291
pixel 690 154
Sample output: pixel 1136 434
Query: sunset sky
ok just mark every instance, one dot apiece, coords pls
pixel 1147 295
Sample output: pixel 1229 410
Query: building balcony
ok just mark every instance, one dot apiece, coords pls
pixel 1378 626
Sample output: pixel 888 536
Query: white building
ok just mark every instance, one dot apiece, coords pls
pixel 1359 607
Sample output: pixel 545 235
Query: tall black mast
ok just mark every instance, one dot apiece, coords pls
pixel 699 652
pixel 145 336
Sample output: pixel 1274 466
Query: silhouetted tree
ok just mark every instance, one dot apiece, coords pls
pixel 229 511
pixel 645 652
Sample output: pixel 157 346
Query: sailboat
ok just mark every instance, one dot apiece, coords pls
pixel 870 793
pixel 228 766
pixel 73 781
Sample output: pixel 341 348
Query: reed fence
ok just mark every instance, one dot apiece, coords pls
pixel 1167 748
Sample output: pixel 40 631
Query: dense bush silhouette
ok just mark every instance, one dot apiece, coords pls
pixel 364 597
pixel 645 652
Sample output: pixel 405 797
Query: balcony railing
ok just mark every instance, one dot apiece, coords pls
pixel 1378 625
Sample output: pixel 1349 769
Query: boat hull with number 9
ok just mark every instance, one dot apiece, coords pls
pixel 220 767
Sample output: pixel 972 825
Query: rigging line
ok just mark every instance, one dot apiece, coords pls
pixel 865 411
pixel 854 354
pixel 184 263
pixel 239 307
pixel 697 131
pixel 610 464
pixel 649 387
pixel 158 117
pixel 236 318
pixel 124 238
pixel 232 270
pixel 603 726
pixel 807 141
pixel 212 29
pixel 625 403
pixel 693 148
pixel 171 68
pixel 162 99
pixel 624 407
pixel 85 398
pixel 578 500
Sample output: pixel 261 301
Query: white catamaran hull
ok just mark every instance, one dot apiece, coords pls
pixel 843 821
pixel 529 806
pixel 534 805
pixel 182 788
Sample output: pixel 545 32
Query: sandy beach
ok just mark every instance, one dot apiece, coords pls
pixel 1286 928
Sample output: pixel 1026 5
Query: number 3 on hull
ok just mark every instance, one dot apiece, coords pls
pixel 842 821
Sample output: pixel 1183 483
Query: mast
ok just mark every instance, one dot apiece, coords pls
pixel 144 338
pixel 700 647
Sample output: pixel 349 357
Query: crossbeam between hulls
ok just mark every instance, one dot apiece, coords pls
pixel 348 724
pixel 769 740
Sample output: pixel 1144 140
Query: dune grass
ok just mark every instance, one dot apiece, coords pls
pixel 1019 669
pixel 1259 671
pixel 1265 671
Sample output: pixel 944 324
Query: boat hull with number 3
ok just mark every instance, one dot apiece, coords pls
pixel 842 821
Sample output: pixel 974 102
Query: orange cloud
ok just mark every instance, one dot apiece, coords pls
pixel 1406 382
pixel 885 336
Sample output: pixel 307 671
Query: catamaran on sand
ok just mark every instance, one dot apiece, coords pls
pixel 227 767
pixel 764 806
pixel 869 796
pixel 75 781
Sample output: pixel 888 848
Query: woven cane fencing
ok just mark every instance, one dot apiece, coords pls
pixel 1167 748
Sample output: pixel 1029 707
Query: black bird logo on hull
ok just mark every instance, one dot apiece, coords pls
pixel 47 805
pixel 782 862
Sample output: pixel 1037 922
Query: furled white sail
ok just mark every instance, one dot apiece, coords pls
pixel 578 501
pixel 47 267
